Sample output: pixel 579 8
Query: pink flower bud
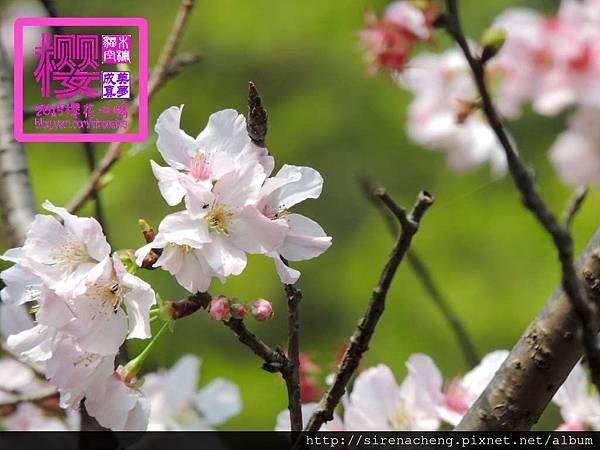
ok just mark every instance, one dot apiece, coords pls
pixel 262 310
pixel 218 308
pixel 238 310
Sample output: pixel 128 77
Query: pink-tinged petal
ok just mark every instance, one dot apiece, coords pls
pixel 195 274
pixel 117 406
pixel 241 187
pixel 33 345
pixel 218 401
pixel 169 183
pixel 182 381
pixel 182 229
pixel 223 257
pixel 476 380
pixel 571 427
pixel 13 320
pixel 421 393
pixel 305 239
pixel 198 199
pixel 86 229
pixel 376 395
pixel 14 375
pixel 287 275
pixel 308 184
pixel 21 285
pixel 29 417
pixel 225 133
pixel 53 310
pixel 405 15
pixel 254 233
pixel 175 146
pixel 574 398
pixel 576 157
pixel 97 330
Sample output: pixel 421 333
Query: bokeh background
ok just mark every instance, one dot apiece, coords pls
pixel 489 257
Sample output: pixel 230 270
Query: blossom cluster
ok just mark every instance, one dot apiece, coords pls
pixel 423 402
pixel 550 62
pixel 233 205
pixel 85 305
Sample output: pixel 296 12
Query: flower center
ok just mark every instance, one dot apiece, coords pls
pixel 200 167
pixel 109 296
pixel 401 419
pixel 72 252
pixel 218 219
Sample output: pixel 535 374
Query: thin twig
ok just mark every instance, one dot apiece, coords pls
pixel 532 199
pixel 425 277
pixel 574 205
pixel 359 342
pixel 294 296
pixel 157 78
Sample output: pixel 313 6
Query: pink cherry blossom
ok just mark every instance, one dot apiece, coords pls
pixel 462 392
pixel 576 152
pixel 305 239
pixel 61 254
pixel 177 404
pixel 579 406
pixel 262 310
pixel 222 146
pixel 389 40
pixel 443 115
pixel 218 308
pixel 182 239
pixel 378 403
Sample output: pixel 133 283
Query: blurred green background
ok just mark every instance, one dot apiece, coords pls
pixel 488 256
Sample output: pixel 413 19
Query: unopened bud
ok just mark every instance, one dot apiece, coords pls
pixel 262 310
pixel 238 310
pixel 492 41
pixel 218 308
pixel 147 230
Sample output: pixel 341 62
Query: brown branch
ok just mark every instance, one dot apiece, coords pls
pixel 426 279
pixel 540 361
pixel 294 296
pixel 157 78
pixel 532 199
pixel 574 205
pixel 359 341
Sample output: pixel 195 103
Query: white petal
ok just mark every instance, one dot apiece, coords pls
pixel 223 257
pixel 13 320
pixel 175 146
pixel 287 275
pixel 218 401
pixel 182 381
pixel 169 183
pixel 305 240
pixel 224 133
pixel 255 233
pixel 308 184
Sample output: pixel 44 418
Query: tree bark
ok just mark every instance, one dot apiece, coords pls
pixel 16 197
pixel 540 361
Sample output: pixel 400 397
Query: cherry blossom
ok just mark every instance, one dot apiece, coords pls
pixel 102 325
pixel 177 404
pixel 61 254
pixel 444 114
pixel 579 407
pixel 218 308
pixel 378 403
pixel 222 146
pixel 462 392
pixel 576 151
pixel 389 40
pixel 262 310
pixel 305 239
